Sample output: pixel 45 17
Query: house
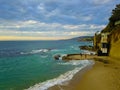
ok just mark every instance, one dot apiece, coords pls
pixel 104 44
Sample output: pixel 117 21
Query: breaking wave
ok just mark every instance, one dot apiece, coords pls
pixel 75 62
pixel 60 55
pixel 36 51
pixel 62 78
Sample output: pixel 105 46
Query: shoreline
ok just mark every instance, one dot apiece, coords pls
pixel 103 75
pixel 68 85
pixel 63 78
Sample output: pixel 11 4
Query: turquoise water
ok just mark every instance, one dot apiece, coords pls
pixel 26 63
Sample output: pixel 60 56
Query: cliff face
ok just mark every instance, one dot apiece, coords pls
pixel 113 28
pixel 115 42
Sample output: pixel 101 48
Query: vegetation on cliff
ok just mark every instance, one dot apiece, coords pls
pixel 114 20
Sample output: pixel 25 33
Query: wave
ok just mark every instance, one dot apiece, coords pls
pixel 58 50
pixel 36 51
pixel 59 55
pixel 62 78
pixel 75 62
pixel 40 51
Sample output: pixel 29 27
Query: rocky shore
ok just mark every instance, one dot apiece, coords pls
pixel 78 57
pixel 85 47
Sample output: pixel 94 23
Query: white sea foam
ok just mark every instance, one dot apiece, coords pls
pixel 61 55
pixel 56 50
pixel 62 78
pixel 75 62
pixel 36 51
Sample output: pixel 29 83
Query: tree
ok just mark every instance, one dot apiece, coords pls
pixel 115 14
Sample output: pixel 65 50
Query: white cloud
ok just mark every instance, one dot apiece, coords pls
pixel 40 29
pixel 30 22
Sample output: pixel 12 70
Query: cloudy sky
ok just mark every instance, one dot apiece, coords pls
pixel 53 19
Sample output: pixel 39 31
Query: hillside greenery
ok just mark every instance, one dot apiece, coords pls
pixel 115 17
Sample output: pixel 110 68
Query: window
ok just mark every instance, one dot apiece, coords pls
pixel 104 45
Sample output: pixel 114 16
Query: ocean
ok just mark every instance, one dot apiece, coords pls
pixel 30 64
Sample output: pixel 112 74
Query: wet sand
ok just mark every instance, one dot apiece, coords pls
pixel 103 75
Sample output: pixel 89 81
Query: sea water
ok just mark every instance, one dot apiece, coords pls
pixel 31 65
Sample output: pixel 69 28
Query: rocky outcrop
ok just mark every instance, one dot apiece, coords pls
pixel 57 57
pixel 90 48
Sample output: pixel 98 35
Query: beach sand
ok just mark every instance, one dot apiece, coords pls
pixel 103 75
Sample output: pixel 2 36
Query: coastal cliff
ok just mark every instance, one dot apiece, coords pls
pixel 113 28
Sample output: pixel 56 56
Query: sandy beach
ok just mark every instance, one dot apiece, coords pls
pixel 103 75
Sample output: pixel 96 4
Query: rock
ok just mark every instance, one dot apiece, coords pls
pixel 57 57
pixel 85 47
pixel 67 57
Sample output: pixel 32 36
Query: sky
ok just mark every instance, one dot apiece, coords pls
pixel 53 19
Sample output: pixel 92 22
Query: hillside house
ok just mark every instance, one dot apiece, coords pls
pixel 104 44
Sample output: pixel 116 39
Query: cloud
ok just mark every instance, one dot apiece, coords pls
pixel 39 26
pixel 54 18
pixel 57 11
pixel 32 28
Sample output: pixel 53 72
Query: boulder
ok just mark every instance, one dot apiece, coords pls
pixel 57 57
